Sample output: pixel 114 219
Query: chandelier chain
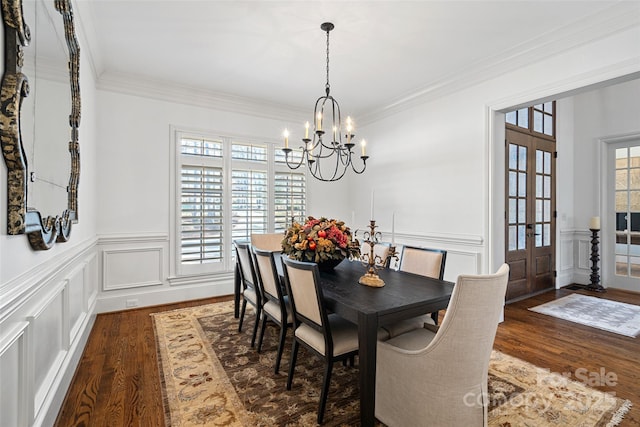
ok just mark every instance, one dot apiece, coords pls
pixel 328 87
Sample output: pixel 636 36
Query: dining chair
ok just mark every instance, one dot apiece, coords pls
pixel 424 262
pixel 381 249
pixel 328 336
pixel 267 241
pixel 452 359
pixel 275 306
pixel 250 287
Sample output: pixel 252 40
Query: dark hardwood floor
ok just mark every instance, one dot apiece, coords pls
pixel 117 382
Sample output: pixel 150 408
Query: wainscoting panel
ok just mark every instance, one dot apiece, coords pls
pixel 132 268
pixel 135 272
pixel 584 254
pixel 77 301
pixel 565 259
pixel 47 325
pixel 45 320
pixel 461 262
pixel 13 374
pixel 91 286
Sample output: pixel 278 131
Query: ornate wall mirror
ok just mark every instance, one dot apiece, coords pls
pixel 39 119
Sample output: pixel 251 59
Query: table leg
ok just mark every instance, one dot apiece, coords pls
pixel 367 347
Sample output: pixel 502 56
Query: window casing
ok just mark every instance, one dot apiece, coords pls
pixel 228 188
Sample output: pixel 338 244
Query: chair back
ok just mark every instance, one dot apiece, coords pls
pixel 268 241
pixel 470 324
pixel 423 261
pixel 267 274
pixel 380 249
pixel 243 258
pixel 305 296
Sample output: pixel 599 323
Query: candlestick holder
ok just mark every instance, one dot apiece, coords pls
pixel 372 261
pixel 595 257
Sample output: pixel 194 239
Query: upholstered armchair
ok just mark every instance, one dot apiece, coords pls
pixel 438 376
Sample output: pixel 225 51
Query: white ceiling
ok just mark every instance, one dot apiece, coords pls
pixel 381 52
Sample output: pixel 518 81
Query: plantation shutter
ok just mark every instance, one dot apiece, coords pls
pixel 289 199
pixel 249 193
pixel 201 224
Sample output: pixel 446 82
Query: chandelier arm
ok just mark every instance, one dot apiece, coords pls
pixel 364 165
pixel 292 166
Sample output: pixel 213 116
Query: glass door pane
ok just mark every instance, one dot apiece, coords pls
pixel 627 211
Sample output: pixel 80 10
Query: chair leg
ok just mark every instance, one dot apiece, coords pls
pixel 255 327
pixel 434 316
pixel 242 310
pixel 264 326
pixel 283 336
pixel 292 363
pixel 325 390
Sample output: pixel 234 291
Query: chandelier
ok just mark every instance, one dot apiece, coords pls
pixel 326 155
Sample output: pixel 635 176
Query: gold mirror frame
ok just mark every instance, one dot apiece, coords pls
pixel 43 233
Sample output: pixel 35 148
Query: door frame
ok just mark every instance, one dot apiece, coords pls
pixel 607 146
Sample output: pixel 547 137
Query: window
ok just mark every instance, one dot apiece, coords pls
pixel 539 119
pixel 228 189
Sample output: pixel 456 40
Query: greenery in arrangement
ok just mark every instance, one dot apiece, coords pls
pixel 319 240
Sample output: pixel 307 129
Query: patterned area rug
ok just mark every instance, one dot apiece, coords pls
pixel 212 377
pixel 612 316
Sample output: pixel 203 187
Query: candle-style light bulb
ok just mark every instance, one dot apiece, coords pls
pixel 319 121
pixel 286 138
pixel 363 144
pixel 349 129
pixel 335 130
pixel 306 130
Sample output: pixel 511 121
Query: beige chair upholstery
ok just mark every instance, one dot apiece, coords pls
pixel 424 262
pixel 379 250
pixel 250 287
pixel 275 308
pixel 440 379
pixel 268 242
pixel 328 336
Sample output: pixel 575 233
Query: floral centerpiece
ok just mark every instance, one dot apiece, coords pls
pixel 324 241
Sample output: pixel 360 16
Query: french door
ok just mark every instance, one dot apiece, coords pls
pixel 622 216
pixel 530 212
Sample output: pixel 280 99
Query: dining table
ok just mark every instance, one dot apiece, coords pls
pixel 404 295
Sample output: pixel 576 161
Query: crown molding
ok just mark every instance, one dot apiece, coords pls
pixel 198 97
pixel 617 18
